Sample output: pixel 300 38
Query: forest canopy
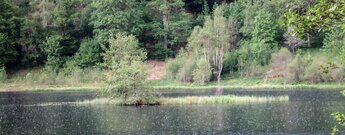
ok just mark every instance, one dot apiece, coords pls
pixel 200 39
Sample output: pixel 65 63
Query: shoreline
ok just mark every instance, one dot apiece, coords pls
pixel 258 87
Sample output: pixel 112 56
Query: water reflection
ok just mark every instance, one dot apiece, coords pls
pixel 298 116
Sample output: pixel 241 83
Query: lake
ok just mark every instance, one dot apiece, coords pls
pixel 308 112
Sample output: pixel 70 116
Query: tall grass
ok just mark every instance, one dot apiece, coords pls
pixel 43 78
pixel 229 99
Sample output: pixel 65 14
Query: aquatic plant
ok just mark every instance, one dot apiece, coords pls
pixel 228 99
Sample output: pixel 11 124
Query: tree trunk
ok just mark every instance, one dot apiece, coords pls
pixel 166 29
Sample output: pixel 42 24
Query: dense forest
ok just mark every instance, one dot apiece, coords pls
pixel 201 40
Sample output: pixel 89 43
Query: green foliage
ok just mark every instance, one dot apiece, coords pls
pixel 296 68
pixel 169 26
pixel 8 20
pixel 89 53
pixel 265 29
pixel 173 66
pixel 185 73
pixel 230 62
pixel 340 120
pixel 42 11
pixel 323 14
pixel 334 41
pixel 110 17
pixel 58 48
pixel 314 72
pixel 8 52
pixel 68 76
pixel 180 27
pixel 257 51
pixel 280 61
pixel 30 41
pixel 202 72
pixel 127 77
pixel 159 52
pixel 264 37
pixel 304 68
pixel 67 15
pixel 46 76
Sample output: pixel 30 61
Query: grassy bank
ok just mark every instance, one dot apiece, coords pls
pixel 245 83
pixel 21 83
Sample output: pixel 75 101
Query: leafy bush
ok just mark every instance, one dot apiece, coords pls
pixel 230 62
pixel 322 71
pixel 340 120
pixel 173 65
pixel 8 51
pixel 280 60
pixel 334 42
pixel 185 73
pixel 58 48
pixel 296 68
pixel 160 53
pixel 313 72
pixel 182 67
pixel 47 76
pixel 89 53
pixel 203 72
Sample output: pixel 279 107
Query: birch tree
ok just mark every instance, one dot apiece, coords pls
pixel 212 41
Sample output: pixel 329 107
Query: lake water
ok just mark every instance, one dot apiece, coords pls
pixel 307 112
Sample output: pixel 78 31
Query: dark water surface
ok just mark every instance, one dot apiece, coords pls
pixel 307 112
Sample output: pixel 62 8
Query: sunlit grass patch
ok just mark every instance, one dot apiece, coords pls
pixel 229 99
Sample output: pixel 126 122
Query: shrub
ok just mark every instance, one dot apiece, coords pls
pixel 185 73
pixel 173 65
pixel 70 65
pixel 280 60
pixel 337 74
pixel 160 53
pixel 334 42
pixel 77 75
pixel 203 72
pixel 89 53
pixel 182 67
pixel 230 62
pixel 313 72
pixel 319 70
pixel 296 68
pixel 47 76
pixel 58 48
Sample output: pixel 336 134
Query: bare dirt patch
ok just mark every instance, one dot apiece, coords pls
pixel 156 70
